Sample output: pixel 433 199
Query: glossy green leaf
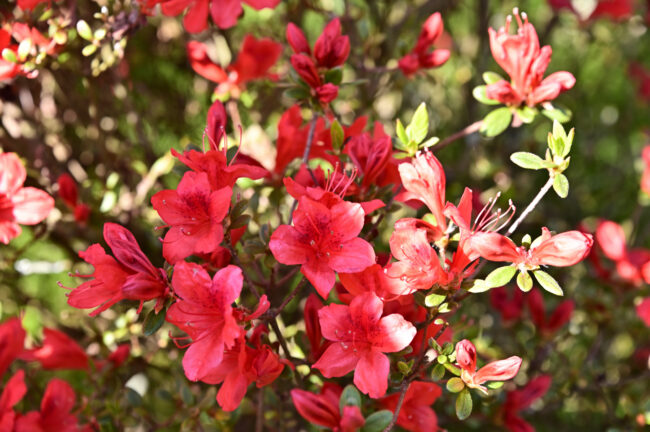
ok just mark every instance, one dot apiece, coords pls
pixel 548 283
pixel 524 281
pixel 377 421
pixel 455 385
pixel 527 160
pixel 480 95
pixel 349 396
pixel 500 277
pixel 464 404
pixel 496 122
pixel 561 185
pixel 418 129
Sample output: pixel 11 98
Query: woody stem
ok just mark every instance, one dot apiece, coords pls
pixel 531 206
pixel 474 127
pixel 305 158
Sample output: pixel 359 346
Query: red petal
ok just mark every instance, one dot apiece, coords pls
pixel 371 374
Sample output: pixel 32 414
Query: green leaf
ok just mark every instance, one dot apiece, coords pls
pixel 401 133
pixel 548 283
pixel 350 396
pixel 430 142
pixel 88 50
pixel 562 115
pixel 403 367
pixel 455 385
pixel 334 76
pixel 556 145
pixel 153 322
pixel 495 384
pixel 338 135
pixel 84 30
pixel 527 114
pixel 568 142
pixel 492 77
pixel 478 286
pixel 438 372
pixel 297 93
pixel 500 277
pixel 524 281
pixel 480 95
pixel 433 300
pixel 453 369
pixel 238 208
pixel 527 160
pixel 464 405
pixel 240 221
pixel 558 130
pixel 496 122
pixel 561 185
pixel 9 55
pixel 442 359
pixel 448 348
pixel 377 421
pixel 418 129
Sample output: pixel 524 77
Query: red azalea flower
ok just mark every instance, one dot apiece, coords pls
pixel 643 311
pixel 642 76
pixel 58 351
pixel 18 204
pixel 360 337
pixel 31 4
pixel 518 400
pixel 12 393
pixel 560 316
pixel 224 12
pixel 424 180
pixel 8 69
pixel 421 57
pixel 204 311
pixel 194 213
pixel 523 60
pixel 70 195
pixel 12 342
pixel 510 306
pixel 128 276
pixel 323 240
pixel 614 9
pixel 632 265
pixel 372 279
pixel 312 327
pixel 416 414
pixel 371 156
pixel 331 48
pixel 253 62
pixel 323 409
pixel 58 401
pixel 500 370
pixel 561 250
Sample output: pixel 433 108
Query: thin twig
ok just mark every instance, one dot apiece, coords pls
pixel 474 127
pixel 305 159
pixel 531 206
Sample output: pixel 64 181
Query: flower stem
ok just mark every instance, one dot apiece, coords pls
pixel 474 127
pixel 531 206
pixel 305 158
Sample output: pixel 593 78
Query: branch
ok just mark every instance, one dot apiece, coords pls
pixel 531 206
pixel 305 158
pixel 474 127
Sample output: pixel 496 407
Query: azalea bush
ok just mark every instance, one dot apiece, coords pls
pixel 304 215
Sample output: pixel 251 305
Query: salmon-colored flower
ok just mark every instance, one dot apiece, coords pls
pixel 323 240
pixel 128 276
pixel 204 311
pixel 632 264
pixel 19 205
pixel 500 370
pixel 416 414
pixel 422 57
pixel 323 409
pixel 361 337
pixel 645 179
pixel 523 60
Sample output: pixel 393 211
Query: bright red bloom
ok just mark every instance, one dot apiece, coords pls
pixel 421 57
pixel 416 414
pixel 297 40
pixel 8 69
pixel 224 12
pixel 510 306
pixel 360 337
pixel 12 393
pixel 57 402
pixel 614 9
pixel 323 240
pixel 372 279
pixel 194 213
pixel 645 179
pixel 331 48
pixel 560 316
pixel 518 400
pixel 632 264
pixel 58 351
pixel 241 366
pixel 253 62
pixel 323 409
pixel 424 180
pixel 523 60
pixel 500 370
pixel 643 311
pixel 371 155
pixel 70 195
pixel 18 204
pixel 204 311
pixel 561 250
pixel 306 69
pixel 12 342
pixel 128 276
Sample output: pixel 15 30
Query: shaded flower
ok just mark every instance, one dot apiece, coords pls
pixel 323 409
pixel 360 337
pixel 416 414
pixel 643 311
pixel 69 193
pixel 632 264
pixel 12 342
pixel 520 399
pixel 58 351
pixel 19 205
pixel 128 276
pixel 421 56
pixel 558 318
pixel 12 393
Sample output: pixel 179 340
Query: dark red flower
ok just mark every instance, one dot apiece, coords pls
pixel 560 316
pixel 509 306
pixel 416 414
pixel 371 155
pixel 18 204
pixel 12 393
pixel 523 60
pixel 204 311
pixel 643 311
pixel 520 399
pixel 128 276
pixel 8 69
pixel 58 351
pixel 331 48
pixel 69 193
pixel 421 57
pixel 194 213
pixel 614 9
pixel 361 337
pixel 323 409
pixel 12 342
